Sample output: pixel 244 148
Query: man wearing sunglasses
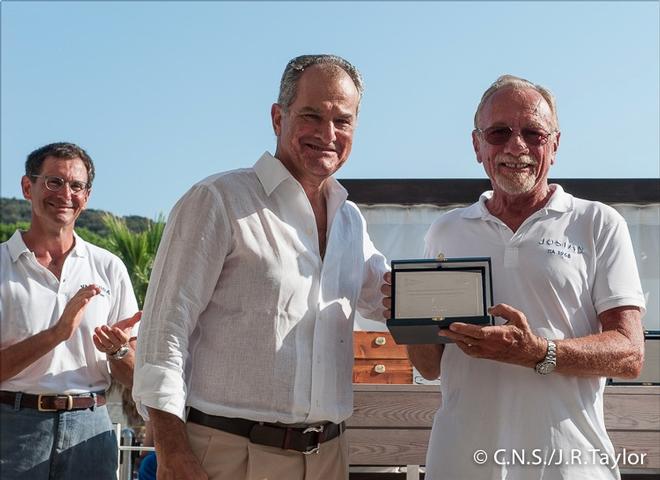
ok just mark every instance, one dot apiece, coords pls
pixel 63 301
pixel 523 399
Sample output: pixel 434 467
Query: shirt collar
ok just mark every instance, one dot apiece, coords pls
pixel 17 246
pixel 80 247
pixel 560 201
pixel 271 173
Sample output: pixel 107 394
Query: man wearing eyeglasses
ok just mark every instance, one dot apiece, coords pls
pixel 63 301
pixel 523 399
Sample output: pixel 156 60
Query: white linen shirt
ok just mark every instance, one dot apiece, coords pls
pixel 33 300
pixel 565 265
pixel 243 318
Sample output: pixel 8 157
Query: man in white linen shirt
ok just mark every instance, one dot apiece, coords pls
pixel 524 399
pixel 249 313
pixel 61 297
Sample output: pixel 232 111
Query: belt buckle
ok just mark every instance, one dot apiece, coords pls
pixel 69 403
pixel 314 429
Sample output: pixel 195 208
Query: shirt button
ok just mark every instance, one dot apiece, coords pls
pixel 309 231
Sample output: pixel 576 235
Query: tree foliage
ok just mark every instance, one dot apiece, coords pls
pixel 137 250
pixel 8 229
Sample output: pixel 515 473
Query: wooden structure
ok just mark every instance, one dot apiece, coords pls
pixel 391 424
pixel 378 359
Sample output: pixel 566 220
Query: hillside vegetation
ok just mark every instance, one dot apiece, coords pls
pixel 134 239
pixel 14 210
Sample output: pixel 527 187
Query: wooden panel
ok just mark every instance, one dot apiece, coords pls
pixel 408 447
pixel 415 389
pixel 365 346
pixel 395 371
pixel 394 410
pixel 387 446
pixel 391 424
pixel 632 390
pixel 632 412
pixel 637 443
pixel 625 409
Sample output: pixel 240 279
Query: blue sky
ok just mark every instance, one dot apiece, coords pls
pixel 163 94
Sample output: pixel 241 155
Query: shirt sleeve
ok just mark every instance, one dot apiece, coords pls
pixel 370 302
pixel 432 246
pixel 616 282
pixel 186 269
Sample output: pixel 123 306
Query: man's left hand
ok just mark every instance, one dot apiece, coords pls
pixel 110 339
pixel 512 342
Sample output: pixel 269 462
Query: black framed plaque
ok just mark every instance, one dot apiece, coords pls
pixel 434 293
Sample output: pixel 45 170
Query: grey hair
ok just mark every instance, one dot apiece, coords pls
pixel 517 82
pixel 296 66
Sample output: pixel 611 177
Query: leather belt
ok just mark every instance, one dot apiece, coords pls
pixel 53 403
pixel 302 439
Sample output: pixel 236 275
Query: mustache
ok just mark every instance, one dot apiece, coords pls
pixel 508 158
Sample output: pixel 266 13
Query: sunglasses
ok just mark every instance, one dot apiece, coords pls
pixel 500 135
pixel 55 184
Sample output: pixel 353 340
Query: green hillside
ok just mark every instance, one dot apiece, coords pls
pixel 14 210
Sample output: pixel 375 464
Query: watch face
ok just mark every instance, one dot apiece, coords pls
pixel 121 353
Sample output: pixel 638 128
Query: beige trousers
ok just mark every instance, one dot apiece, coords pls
pixel 225 456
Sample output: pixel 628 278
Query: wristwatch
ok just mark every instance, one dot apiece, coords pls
pixel 121 353
pixel 549 363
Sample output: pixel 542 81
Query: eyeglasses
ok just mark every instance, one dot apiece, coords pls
pixel 55 184
pixel 500 135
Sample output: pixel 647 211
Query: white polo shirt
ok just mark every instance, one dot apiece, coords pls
pixel 33 300
pixel 567 263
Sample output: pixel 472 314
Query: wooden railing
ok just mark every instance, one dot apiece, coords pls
pixel 391 423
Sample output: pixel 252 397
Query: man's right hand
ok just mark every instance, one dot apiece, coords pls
pixel 386 290
pixel 179 466
pixel 176 460
pixel 73 312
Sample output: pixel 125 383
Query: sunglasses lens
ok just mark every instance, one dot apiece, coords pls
pixel 534 137
pixel 497 135
pixel 501 135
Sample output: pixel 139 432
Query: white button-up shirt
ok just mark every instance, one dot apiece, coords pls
pixel 33 300
pixel 243 318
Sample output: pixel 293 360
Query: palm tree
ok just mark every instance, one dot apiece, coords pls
pixel 137 250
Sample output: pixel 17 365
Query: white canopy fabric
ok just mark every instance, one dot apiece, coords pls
pixel 398 231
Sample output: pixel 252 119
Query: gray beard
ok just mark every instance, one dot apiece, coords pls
pixel 515 184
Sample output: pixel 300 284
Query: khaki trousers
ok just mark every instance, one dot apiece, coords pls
pixel 225 456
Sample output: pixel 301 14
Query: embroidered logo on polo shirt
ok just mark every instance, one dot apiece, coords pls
pixel 562 248
pixel 104 290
